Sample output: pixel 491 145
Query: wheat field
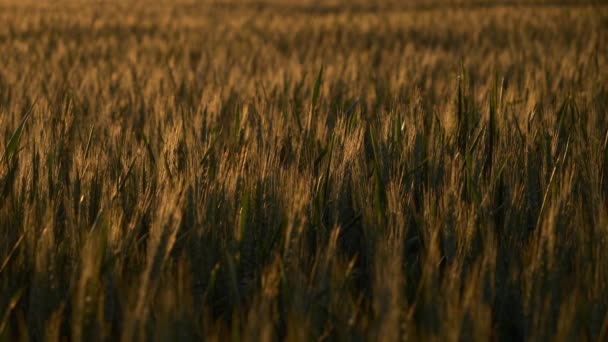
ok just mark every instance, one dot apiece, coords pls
pixel 300 170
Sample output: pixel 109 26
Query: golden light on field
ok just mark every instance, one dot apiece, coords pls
pixel 298 170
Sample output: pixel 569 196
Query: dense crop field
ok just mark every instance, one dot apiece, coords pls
pixel 344 170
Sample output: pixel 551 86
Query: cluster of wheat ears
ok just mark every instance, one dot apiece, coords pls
pixel 297 170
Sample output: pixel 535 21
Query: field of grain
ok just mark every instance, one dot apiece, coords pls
pixel 298 170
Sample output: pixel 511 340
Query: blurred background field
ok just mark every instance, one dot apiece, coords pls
pixel 303 170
